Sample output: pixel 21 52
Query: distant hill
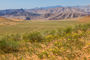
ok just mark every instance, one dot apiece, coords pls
pixel 84 19
pixel 49 7
pixel 11 21
pixel 2 19
pixel 49 13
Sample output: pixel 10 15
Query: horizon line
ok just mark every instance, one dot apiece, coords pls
pixel 46 7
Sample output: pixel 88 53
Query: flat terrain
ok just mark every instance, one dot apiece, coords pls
pixel 27 26
pixel 21 26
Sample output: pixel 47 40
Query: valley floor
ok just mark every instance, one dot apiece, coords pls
pixel 45 40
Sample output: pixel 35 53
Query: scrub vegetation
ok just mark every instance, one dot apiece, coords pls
pixel 70 42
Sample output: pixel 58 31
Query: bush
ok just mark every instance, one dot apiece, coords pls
pixel 68 30
pixel 83 27
pixel 33 37
pixel 7 45
pixel 60 32
pixel 15 37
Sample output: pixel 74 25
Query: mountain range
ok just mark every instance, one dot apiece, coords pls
pixel 48 13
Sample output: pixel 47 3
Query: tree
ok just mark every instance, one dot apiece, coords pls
pixel 28 18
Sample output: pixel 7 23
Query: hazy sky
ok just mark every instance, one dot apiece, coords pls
pixel 15 4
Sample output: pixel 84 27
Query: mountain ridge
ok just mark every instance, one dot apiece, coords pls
pixel 49 13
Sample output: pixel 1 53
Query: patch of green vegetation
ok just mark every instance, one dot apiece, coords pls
pixel 33 37
pixel 10 43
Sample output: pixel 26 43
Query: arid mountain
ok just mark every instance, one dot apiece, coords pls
pixel 49 13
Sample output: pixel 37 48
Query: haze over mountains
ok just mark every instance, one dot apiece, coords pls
pixel 49 13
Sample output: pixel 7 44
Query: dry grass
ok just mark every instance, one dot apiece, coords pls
pixel 66 44
pixel 84 19
pixel 71 43
pixel 9 21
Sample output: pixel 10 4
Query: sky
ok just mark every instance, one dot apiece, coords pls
pixel 28 4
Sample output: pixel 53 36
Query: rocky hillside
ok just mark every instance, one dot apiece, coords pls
pixel 49 13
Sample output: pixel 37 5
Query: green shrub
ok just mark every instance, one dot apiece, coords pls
pixel 16 37
pixel 33 37
pixel 60 33
pixel 82 27
pixel 7 45
pixel 68 30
